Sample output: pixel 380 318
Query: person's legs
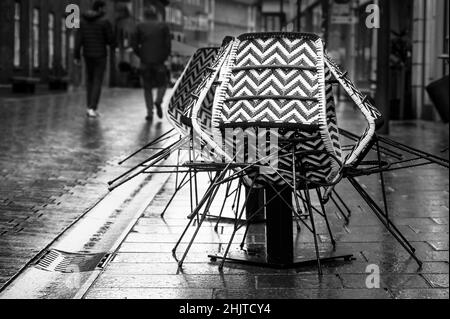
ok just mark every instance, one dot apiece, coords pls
pixel 89 66
pixel 159 99
pixel 148 91
pixel 161 81
pixel 99 73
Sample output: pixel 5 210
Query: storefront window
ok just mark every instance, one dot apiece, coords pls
pixel 63 44
pixel 17 39
pixel 35 42
pixel 363 51
pixel 51 40
pixel 446 39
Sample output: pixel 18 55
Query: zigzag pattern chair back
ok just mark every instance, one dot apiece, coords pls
pixel 201 111
pixel 191 78
pixel 277 81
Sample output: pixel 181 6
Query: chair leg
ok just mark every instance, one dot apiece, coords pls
pixel 373 205
pixel 383 186
pixel 177 189
pixel 298 215
pixel 178 163
pixel 305 207
pixel 193 214
pixel 319 195
pixel 236 226
pixel 210 198
pixel 174 249
pixel 346 218
pixel 349 211
pixel 299 227
pixel 196 187
pixel 245 236
pixel 395 232
pixel 238 195
pixel 227 192
pixel 297 205
pixel 313 226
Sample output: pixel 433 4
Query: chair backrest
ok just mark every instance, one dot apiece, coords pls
pixel 277 81
pixel 373 117
pixel 192 76
pixel 201 112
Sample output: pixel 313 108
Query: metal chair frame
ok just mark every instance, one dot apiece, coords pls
pixel 300 186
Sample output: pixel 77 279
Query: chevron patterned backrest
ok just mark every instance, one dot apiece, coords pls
pixel 273 79
pixel 301 86
pixel 202 104
pixel 189 81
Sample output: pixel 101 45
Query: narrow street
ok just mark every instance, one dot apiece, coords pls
pixel 144 267
pixel 224 159
pixel 55 164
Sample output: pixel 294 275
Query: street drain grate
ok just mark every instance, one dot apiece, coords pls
pixel 64 262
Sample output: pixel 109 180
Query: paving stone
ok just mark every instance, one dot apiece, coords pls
pixel 54 167
pixel 302 294
pixel 149 293
pixel 298 281
pixel 54 163
pixel 204 281
pixel 439 245
pixel 420 294
pixel 395 281
pixel 437 280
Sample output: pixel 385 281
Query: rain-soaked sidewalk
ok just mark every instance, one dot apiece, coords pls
pixel 418 199
pixel 55 164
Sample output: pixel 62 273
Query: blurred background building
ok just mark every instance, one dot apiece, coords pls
pixel 34 40
pixel 395 62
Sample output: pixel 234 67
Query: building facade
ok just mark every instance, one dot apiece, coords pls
pixel 37 44
pixel 232 18
pixel 430 52
pixel 417 50
pixel 35 41
pixel 188 21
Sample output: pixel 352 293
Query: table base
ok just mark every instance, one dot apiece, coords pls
pixel 244 258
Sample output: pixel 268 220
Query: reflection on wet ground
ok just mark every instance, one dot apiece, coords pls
pixel 418 200
pixel 55 162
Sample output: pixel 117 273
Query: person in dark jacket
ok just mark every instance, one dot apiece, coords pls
pixel 93 38
pixel 152 44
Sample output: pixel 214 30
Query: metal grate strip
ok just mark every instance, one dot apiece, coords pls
pixel 65 262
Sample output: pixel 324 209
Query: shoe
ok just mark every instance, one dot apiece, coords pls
pixel 159 111
pixel 91 113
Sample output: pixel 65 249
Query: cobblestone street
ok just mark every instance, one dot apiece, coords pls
pixel 55 164
pixel 418 199
pixel 224 159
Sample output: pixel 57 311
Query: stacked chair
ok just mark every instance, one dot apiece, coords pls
pixel 178 139
pixel 261 113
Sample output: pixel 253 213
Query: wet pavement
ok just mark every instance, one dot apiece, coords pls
pixel 418 199
pixel 55 164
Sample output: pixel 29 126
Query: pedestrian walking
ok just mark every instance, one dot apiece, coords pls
pixel 93 38
pixel 152 44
